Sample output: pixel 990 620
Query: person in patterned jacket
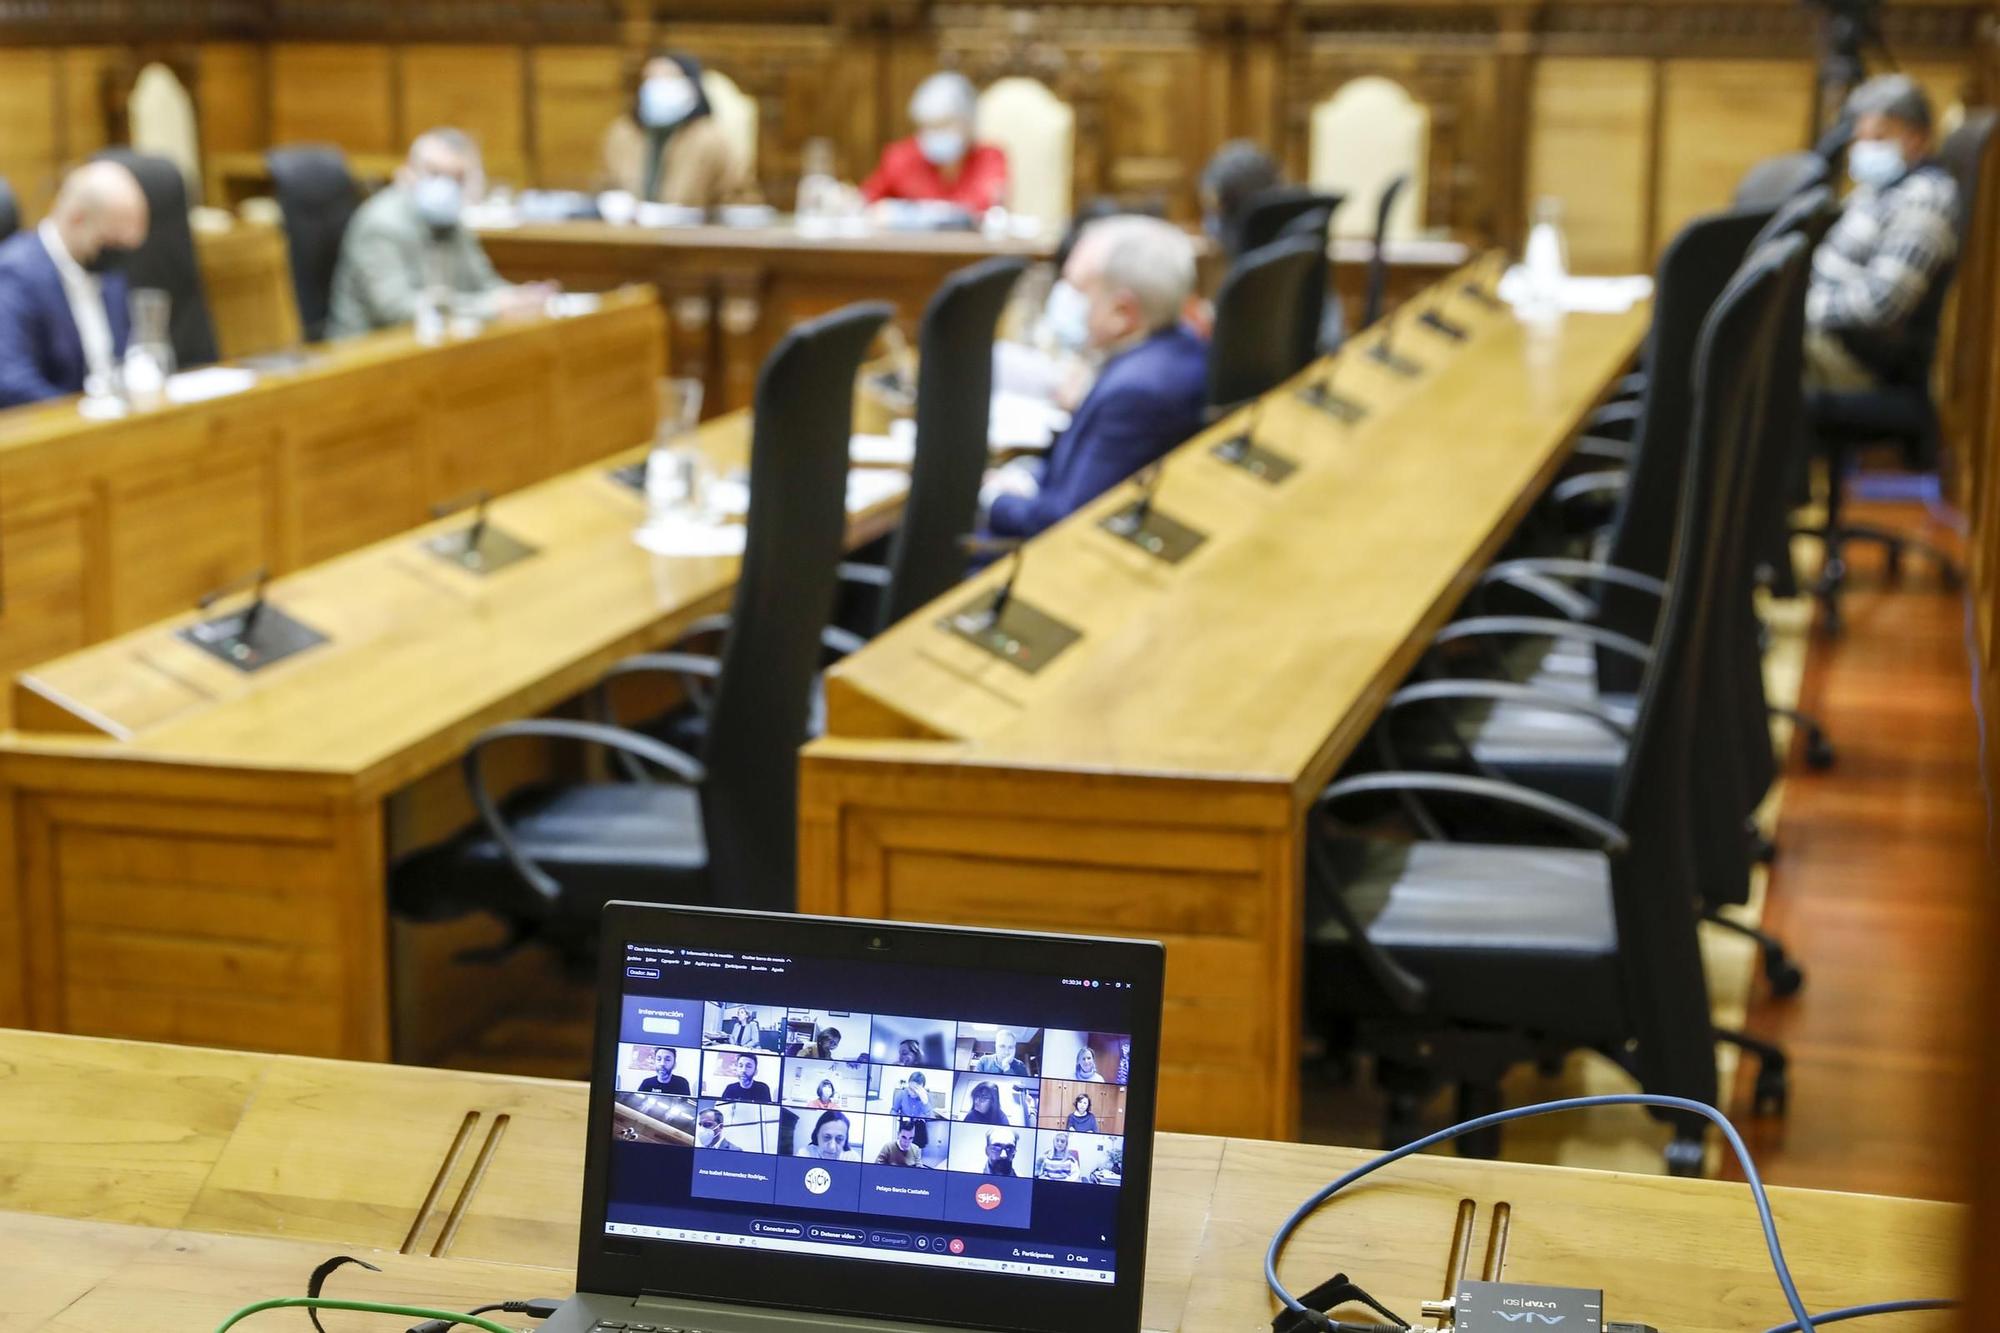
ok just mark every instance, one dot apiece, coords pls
pixel 1896 237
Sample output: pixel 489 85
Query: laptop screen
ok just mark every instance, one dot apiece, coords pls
pixel 883 1112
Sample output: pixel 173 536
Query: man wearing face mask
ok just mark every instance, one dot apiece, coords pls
pixel 411 235
pixel 1897 236
pixel 63 315
pixel 669 149
pixel 941 161
pixel 1120 300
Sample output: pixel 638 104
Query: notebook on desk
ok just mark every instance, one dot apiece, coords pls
pixel 802 1121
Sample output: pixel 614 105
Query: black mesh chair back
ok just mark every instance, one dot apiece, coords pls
pixel 316 197
pixel 1963 153
pixel 1317 224
pixel 1694 270
pixel 1257 319
pixel 1378 257
pixel 10 211
pixel 1772 181
pixel 167 260
pixel 954 402
pixel 1271 212
pixel 803 415
pixel 1660 956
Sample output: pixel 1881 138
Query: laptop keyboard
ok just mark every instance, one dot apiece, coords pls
pixel 613 1326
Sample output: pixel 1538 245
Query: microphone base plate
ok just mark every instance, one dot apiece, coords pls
pixel 497 549
pixel 1383 355
pixel 1024 637
pixel 1261 463
pixel 1159 535
pixel 1338 406
pixel 275 637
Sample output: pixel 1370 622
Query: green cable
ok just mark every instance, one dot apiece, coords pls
pixel 365 1307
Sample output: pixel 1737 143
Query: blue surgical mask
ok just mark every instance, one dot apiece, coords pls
pixel 1876 163
pixel 665 103
pixel 1066 317
pixel 942 148
pixel 439 201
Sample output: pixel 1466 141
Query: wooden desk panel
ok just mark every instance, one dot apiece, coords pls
pixel 108 525
pixel 1679 1254
pixel 1153 779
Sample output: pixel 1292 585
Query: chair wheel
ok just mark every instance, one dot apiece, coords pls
pixel 1684 1158
pixel 1820 753
pixel 1787 978
pixel 1773 1091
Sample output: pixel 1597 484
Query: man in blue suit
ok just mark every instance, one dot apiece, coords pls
pixel 63 315
pixel 1123 289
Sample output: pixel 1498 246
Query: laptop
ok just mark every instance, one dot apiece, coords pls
pixel 822 1122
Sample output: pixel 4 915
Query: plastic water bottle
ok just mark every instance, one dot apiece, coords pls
pixel 1547 258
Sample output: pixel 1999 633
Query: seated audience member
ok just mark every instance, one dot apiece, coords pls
pixel 902 1150
pixel 1058 1163
pixel 412 234
pixel 913 1099
pixel 908 1052
pixel 1004 1058
pixel 940 161
pixel 984 1106
pixel 1082 1118
pixel 1121 297
pixel 742 1029
pixel 829 1137
pixel 668 148
pixel 1001 1145
pixel 1896 237
pixel 824 1097
pixel 63 315
pixel 747 1087
pixel 823 1046
pixel 1086 1066
pixel 663 1079
pixel 1238 171
pixel 708 1127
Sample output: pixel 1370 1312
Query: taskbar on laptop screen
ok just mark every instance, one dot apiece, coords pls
pixel 885 1112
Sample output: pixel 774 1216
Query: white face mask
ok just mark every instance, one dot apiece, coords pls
pixel 1066 317
pixel 941 148
pixel 665 103
pixel 439 201
pixel 1875 163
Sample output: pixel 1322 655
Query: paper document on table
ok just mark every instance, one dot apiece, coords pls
pixel 868 487
pixel 683 535
pixel 1020 423
pixel 568 305
pixel 198 386
pixel 1577 296
pixel 897 449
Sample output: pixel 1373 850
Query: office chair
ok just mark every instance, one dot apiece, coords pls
pixel 722 828
pixel 167 259
pixel 954 404
pixel 1258 315
pixel 1284 211
pixel 1269 212
pixel 1378 257
pixel 1451 962
pixel 1900 409
pixel 316 197
pixel 1773 180
pixel 10 210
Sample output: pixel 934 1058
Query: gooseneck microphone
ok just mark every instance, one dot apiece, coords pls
pixel 256 581
pixel 974 543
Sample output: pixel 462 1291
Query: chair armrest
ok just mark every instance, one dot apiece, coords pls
pixel 1506 692
pixel 1590 827
pixel 1632 385
pixel 701 627
pixel 1617 420
pixel 1597 636
pixel 1543 577
pixel 854 571
pixel 684 767
pixel 840 642
pixel 1605 449
pixel 1588 484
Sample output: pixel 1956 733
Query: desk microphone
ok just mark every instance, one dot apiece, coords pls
pixel 1134 519
pixel 1237 447
pixel 477 532
pixel 256 580
pixel 1473 288
pixel 1433 316
pixel 973 543
pixel 1383 348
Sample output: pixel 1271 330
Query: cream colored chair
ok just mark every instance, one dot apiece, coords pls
pixel 736 112
pixel 1364 136
pixel 1037 130
pixel 160 115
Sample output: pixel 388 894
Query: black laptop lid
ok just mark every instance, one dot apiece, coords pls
pixel 943 1125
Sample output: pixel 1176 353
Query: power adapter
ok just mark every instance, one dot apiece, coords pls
pixel 1527 1307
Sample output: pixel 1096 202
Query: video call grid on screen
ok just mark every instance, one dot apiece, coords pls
pixel 895 1120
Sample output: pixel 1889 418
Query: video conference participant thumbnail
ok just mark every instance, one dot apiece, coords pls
pixel 645 1117
pixel 990 1048
pixel 738 1076
pixel 655 1069
pixel 735 1152
pixel 743 1027
pixel 1087 1057
pixel 1092 1159
pixel 996 1101
pixel 823 1034
pixel 912 1043
pixel 649 1021
pixel 824 1085
pixel 893 1140
pixel 736 1127
pixel 990 1180
pixel 1084 1108
pixel 914 1094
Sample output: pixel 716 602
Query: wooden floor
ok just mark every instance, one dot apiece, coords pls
pixel 1881 872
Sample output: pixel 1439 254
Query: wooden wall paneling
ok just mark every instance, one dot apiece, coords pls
pixel 578 92
pixel 1588 147
pixel 1717 119
pixel 334 92
pixel 29 147
pixel 92 77
pixel 231 101
pixel 473 88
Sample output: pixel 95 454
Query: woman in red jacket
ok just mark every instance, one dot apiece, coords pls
pixel 940 161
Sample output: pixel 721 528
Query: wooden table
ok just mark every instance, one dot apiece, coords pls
pixel 1153 779
pixel 191 853
pixel 151 1186
pixel 109 525
pixel 734 291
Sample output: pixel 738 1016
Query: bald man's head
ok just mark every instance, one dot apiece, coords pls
pixel 101 215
